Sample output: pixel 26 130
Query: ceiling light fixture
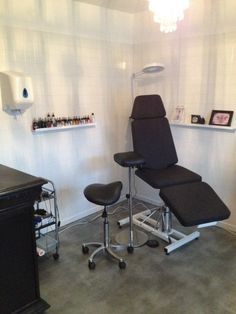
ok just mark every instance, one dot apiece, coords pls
pixel 168 13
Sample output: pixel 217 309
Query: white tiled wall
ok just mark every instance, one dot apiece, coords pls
pixel 80 60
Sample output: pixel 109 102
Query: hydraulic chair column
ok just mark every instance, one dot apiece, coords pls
pixel 129 196
pixel 166 220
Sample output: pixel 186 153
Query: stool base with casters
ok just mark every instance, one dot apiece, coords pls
pixel 103 194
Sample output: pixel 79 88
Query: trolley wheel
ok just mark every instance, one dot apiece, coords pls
pixel 85 249
pixel 130 249
pixel 55 256
pixel 122 264
pixel 91 265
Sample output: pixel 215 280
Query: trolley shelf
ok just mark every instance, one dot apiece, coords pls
pixel 47 243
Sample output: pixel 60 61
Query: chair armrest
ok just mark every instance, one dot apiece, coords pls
pixel 129 159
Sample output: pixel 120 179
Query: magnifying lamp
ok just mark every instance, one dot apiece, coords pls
pixel 148 69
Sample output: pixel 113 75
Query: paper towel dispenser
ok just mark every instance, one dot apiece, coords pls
pixel 17 92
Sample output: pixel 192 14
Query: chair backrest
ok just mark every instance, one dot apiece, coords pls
pixel 151 133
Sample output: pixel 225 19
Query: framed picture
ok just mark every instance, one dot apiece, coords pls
pixel 197 119
pixel 221 117
pixel 178 115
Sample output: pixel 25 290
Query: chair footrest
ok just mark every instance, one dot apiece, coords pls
pixel 195 203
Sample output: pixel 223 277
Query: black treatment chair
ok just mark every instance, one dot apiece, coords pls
pixel 192 201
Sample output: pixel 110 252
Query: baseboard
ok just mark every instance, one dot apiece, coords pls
pixel 86 213
pixel 96 209
pixel 226 226
pixel 81 215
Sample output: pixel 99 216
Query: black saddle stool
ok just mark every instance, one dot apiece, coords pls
pixel 105 195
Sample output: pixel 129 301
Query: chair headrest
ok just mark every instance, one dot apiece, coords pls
pixel 148 107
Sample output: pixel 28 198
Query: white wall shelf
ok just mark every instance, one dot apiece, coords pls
pixel 205 126
pixel 63 128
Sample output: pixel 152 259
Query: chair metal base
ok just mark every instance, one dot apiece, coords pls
pixel 106 246
pixel 101 247
pixel 165 231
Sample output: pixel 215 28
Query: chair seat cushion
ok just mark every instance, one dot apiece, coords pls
pixel 172 175
pixel 194 204
pixel 129 159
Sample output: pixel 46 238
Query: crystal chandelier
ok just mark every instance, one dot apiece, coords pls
pixel 168 13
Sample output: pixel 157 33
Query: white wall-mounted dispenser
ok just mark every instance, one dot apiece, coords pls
pixel 17 92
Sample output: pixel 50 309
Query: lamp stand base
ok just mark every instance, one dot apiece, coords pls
pixel 140 237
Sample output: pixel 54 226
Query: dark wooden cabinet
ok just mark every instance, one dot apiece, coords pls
pixel 19 282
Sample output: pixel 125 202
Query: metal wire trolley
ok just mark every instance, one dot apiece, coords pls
pixel 47 221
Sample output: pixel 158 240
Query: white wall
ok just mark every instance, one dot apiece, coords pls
pixel 80 59
pixel 200 60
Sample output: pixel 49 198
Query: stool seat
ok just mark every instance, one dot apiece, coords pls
pixel 103 194
pixel 129 159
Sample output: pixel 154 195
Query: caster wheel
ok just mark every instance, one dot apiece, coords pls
pixel 118 224
pixel 55 256
pixel 85 249
pixel 130 249
pixel 122 265
pixel 91 265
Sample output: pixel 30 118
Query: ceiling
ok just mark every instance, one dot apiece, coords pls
pixel 129 6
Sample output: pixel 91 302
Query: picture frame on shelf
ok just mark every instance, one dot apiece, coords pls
pixel 197 119
pixel 221 117
pixel 179 114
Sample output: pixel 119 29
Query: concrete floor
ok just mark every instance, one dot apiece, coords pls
pixel 199 278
